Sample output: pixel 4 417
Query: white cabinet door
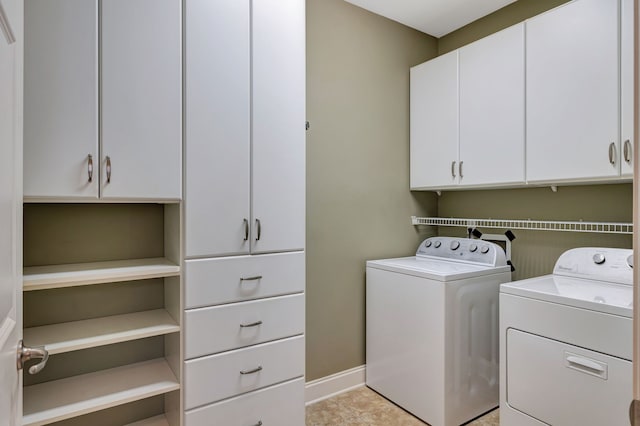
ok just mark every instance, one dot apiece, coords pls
pixel 626 84
pixel 278 132
pixel 141 98
pixel 434 123
pixel 61 98
pixel 217 123
pixel 572 92
pixel 492 109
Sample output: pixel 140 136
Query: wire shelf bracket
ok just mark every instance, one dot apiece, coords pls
pixel 531 225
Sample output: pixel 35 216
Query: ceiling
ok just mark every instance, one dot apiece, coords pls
pixel 434 17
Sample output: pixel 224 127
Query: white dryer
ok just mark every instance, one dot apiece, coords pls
pixel 432 329
pixel 566 341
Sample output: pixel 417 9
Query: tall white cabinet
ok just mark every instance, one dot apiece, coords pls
pixel 244 212
pixel 103 100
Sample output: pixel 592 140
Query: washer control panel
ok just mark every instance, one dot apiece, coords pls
pixel 597 263
pixel 463 249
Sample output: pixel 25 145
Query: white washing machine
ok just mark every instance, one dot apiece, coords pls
pixel 566 340
pixel 432 329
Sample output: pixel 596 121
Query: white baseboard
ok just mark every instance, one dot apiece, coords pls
pixel 335 384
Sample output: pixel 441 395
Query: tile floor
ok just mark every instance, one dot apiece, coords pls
pixel 364 407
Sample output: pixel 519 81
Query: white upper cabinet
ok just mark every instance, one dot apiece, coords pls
pixel 141 98
pixel 434 123
pixel 572 93
pixel 492 86
pixel 61 99
pixel 217 127
pixel 627 89
pixel 103 99
pixel 245 127
pixel 278 131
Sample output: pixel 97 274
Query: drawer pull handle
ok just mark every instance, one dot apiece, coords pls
pixel 255 370
pixel 259 423
pixel 582 362
pixel 254 278
pixel 253 324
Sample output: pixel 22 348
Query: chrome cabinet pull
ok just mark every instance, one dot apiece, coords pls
pixel 5 26
pixel 453 169
pixel 460 170
pixel 255 370
pixel 251 324
pixel 259 229
pixel 254 278
pixel 612 153
pixel 627 151
pixel 25 354
pixel 108 169
pixel 246 229
pixel 90 167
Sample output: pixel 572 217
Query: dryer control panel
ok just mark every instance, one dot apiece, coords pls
pixel 463 249
pixel 597 263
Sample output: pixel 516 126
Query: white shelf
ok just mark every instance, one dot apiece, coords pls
pixel 534 225
pixel 74 396
pixel 76 335
pixel 153 421
pixel 77 274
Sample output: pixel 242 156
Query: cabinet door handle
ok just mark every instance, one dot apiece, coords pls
pixel 108 169
pixel 453 169
pixel 258 229
pixel 252 324
pixel 460 169
pixel 627 151
pixel 90 167
pixel 255 370
pixel 246 229
pixel 6 26
pixel 612 153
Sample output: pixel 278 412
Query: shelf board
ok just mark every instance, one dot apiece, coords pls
pixel 76 335
pixel 77 274
pixel 153 421
pixel 57 400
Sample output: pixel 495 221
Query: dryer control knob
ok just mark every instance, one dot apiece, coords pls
pixel 599 258
pixel 454 245
pixel 630 261
pixel 473 247
pixel 437 244
pixel 484 249
pixel 427 243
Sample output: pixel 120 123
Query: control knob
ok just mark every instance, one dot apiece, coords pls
pixel 484 249
pixel 599 258
pixel 427 243
pixel 473 247
pixel 437 244
pixel 454 245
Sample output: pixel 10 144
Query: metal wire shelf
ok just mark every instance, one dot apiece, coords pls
pixel 533 225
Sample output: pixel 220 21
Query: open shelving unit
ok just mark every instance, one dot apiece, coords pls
pixel 74 396
pixel 90 305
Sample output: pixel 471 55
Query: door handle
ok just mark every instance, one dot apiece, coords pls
pixel 460 169
pixel 108 169
pixel 453 169
pixel 26 353
pixel 246 229
pixel 258 229
pixel 90 167
pixel 627 151
pixel 612 153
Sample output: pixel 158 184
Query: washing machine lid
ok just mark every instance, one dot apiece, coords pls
pixel 600 296
pixel 435 269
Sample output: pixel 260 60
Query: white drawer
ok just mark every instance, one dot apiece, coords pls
pixel 225 327
pixel 279 405
pixel 216 377
pixel 233 279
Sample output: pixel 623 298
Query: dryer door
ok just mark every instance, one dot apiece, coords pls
pixel 561 384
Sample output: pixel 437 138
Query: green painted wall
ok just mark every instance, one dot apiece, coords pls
pixel 358 202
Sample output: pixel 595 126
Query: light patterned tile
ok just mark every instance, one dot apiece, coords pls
pixel 364 407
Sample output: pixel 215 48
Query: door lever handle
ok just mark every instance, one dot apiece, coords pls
pixel 26 353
